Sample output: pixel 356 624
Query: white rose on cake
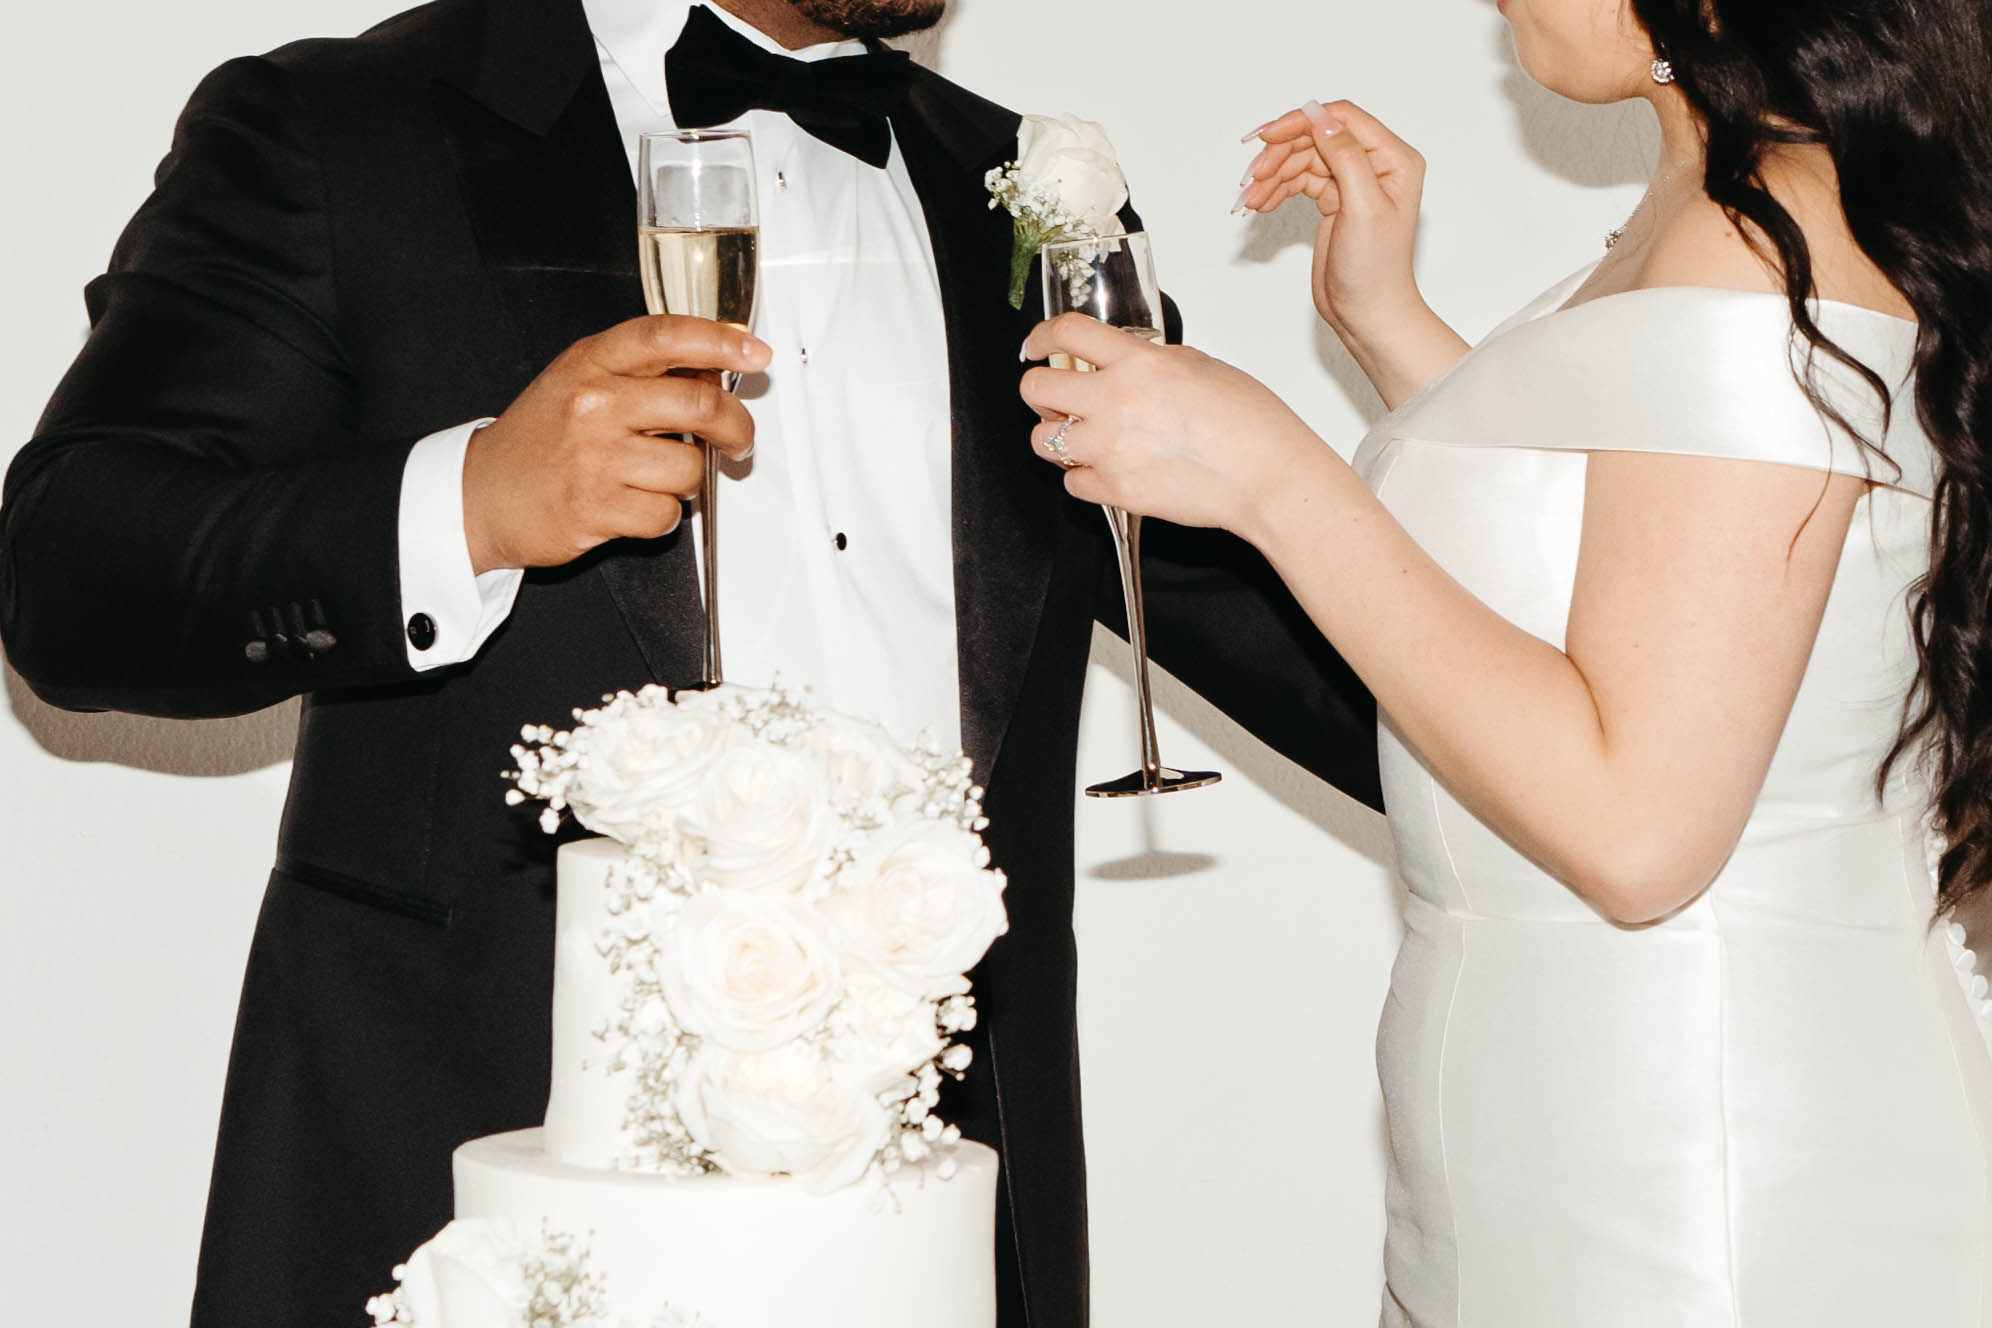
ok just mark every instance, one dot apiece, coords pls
pixel 921 905
pixel 863 762
pixel 746 971
pixel 472 1271
pixel 883 1033
pixel 642 774
pixel 763 820
pixel 1074 162
pixel 790 1111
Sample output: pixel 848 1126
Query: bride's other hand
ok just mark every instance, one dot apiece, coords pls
pixel 1165 431
pixel 1367 184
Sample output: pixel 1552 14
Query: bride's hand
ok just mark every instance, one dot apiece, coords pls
pixel 1165 431
pixel 1367 183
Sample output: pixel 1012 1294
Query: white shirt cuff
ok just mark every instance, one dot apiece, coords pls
pixel 443 603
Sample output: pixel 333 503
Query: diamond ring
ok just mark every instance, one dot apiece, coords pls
pixel 1056 443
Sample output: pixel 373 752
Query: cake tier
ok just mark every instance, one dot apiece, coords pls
pixel 918 1252
pixel 587 1104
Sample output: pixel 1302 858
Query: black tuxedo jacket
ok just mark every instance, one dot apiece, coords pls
pixel 353 244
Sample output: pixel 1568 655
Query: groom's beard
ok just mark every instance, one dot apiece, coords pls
pixel 873 18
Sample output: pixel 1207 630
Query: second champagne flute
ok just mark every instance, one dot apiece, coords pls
pixel 698 243
pixel 1113 279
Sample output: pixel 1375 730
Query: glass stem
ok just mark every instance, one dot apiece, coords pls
pixel 709 544
pixel 1127 547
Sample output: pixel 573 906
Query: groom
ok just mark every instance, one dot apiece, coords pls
pixel 363 418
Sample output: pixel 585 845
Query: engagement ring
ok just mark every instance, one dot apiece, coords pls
pixel 1056 444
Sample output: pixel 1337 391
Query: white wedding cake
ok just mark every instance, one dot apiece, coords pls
pixel 757 978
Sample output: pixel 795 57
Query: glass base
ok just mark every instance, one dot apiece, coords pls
pixel 1140 784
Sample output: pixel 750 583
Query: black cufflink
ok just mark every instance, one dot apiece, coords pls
pixel 421 631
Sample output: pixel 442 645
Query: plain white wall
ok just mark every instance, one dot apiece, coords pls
pixel 1236 941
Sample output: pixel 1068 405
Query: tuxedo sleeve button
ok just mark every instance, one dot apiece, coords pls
pixel 257 652
pixel 421 631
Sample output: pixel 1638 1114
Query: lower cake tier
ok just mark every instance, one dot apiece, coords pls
pixel 719 1252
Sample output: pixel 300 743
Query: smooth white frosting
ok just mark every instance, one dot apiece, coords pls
pixel 586 1104
pixel 917 1253
pixel 706 1251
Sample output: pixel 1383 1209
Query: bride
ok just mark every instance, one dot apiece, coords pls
pixel 1676 596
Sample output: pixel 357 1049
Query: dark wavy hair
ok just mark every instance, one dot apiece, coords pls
pixel 1897 93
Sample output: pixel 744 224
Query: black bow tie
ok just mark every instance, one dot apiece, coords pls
pixel 715 75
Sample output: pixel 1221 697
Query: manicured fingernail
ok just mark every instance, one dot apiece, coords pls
pixel 1024 352
pixel 1238 208
pixel 1245 181
pixel 1260 130
pixel 1317 115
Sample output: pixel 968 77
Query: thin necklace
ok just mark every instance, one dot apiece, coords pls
pixel 1617 233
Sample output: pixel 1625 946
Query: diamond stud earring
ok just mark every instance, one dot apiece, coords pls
pixel 1663 71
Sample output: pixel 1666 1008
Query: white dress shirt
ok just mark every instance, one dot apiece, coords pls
pixel 836 556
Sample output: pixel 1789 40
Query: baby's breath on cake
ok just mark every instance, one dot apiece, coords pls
pixel 882 798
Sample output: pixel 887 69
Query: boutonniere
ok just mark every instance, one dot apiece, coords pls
pixel 1066 184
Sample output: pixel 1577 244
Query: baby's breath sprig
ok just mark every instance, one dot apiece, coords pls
pixel 1040 219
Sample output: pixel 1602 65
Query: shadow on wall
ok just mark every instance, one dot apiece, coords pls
pixel 202 748
pixel 1594 146
pixel 925 47
pixel 1241 756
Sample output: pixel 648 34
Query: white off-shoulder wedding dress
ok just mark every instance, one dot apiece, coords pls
pixel 1774 1107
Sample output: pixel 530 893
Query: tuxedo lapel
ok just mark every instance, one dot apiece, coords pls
pixel 1005 502
pixel 546 184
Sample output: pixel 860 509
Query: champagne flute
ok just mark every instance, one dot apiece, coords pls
pixel 1112 278
pixel 698 237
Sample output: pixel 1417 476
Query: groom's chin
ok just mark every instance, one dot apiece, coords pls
pixel 873 18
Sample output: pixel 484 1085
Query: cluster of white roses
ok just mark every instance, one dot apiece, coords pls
pixel 485 1271
pixel 1066 184
pixel 800 902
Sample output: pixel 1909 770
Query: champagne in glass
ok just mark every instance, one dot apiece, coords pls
pixel 1113 279
pixel 705 274
pixel 698 235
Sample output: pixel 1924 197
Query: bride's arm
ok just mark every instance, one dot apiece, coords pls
pixel 1625 763
pixel 1367 183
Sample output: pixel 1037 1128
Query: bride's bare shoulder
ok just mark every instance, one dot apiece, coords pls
pixel 1701 245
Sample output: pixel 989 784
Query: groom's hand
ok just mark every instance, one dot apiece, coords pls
pixel 585 454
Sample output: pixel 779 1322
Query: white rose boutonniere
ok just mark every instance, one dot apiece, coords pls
pixel 1066 184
